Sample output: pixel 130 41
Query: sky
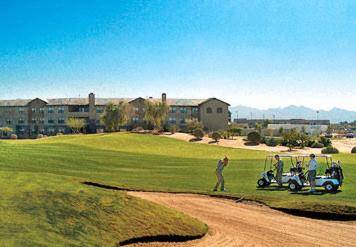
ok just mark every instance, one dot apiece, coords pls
pixel 255 53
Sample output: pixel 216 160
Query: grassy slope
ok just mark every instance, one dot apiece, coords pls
pixel 50 210
pixel 159 163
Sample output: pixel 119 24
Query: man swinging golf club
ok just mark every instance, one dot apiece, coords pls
pixel 279 168
pixel 219 174
pixel 312 172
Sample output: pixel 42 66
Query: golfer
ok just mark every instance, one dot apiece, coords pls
pixel 312 172
pixel 279 168
pixel 219 174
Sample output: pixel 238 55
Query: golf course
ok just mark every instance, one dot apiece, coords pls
pixel 44 200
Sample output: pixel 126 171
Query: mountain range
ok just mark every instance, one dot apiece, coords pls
pixel 335 115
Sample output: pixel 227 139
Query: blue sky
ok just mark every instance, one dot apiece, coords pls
pixel 255 53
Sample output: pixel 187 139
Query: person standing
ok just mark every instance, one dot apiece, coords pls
pixel 313 164
pixel 279 168
pixel 219 174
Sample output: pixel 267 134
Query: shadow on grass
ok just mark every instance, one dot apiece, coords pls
pixel 212 142
pixel 195 139
pixel 249 143
pixel 273 188
pixel 316 193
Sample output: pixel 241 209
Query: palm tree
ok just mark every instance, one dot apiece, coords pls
pixel 155 114
pixel 117 115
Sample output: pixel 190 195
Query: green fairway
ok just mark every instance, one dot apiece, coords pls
pixel 41 189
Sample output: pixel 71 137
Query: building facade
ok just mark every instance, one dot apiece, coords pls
pixel 28 118
pixel 309 126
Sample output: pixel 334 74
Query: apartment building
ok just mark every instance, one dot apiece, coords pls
pixel 37 116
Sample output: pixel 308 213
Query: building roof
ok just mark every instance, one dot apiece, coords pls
pixel 105 101
pixel 15 102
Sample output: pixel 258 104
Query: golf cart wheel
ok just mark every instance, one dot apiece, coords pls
pixel 262 183
pixel 330 187
pixel 294 186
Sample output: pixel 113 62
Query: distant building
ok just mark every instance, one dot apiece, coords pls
pixel 310 126
pixel 36 116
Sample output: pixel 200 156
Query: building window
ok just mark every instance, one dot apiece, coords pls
pixel 182 120
pixel 41 121
pixel 172 120
pixel 195 110
pixel 8 121
pixel 61 121
pixel 99 110
pixel 50 121
pixel 219 110
pixel 50 110
pixel 33 121
pixel 61 110
pixel 173 110
pixel 136 109
pixel 42 110
pixel 135 119
pixel 21 121
pixel 21 110
pixel 183 110
pixel 209 110
pixel 33 110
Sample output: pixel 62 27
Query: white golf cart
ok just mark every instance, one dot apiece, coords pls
pixel 331 181
pixel 267 176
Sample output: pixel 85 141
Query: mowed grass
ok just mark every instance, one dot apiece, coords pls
pixel 43 203
pixel 42 177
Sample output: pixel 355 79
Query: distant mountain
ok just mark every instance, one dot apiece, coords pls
pixel 335 115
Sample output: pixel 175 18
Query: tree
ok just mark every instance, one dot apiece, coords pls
pixel 124 112
pixel 265 123
pixel 116 116
pixel 4 131
pixel 156 113
pixel 198 133
pixel 291 138
pixel 281 131
pixel 110 118
pixel 234 130
pixel 304 139
pixel 76 124
pixel 193 124
pixel 216 136
pixel 258 128
pixel 254 137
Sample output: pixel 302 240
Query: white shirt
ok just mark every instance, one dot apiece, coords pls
pixel 313 165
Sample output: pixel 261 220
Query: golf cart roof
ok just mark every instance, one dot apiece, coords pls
pixel 282 155
pixel 316 155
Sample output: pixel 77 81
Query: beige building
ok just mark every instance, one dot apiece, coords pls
pixel 36 116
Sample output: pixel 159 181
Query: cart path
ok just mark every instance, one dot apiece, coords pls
pixel 250 224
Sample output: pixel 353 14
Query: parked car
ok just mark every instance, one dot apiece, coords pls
pixel 350 135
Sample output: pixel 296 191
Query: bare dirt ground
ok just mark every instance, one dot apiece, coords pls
pixel 344 145
pixel 249 224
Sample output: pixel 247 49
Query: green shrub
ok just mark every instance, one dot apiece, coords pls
pixel 235 131
pixel 271 142
pixel 193 124
pixel 225 134
pixel 329 150
pixel 198 133
pixel 216 136
pixel 325 141
pixel 317 145
pixel 353 150
pixel 254 137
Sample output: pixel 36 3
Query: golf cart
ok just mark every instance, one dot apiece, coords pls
pixel 331 181
pixel 267 176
